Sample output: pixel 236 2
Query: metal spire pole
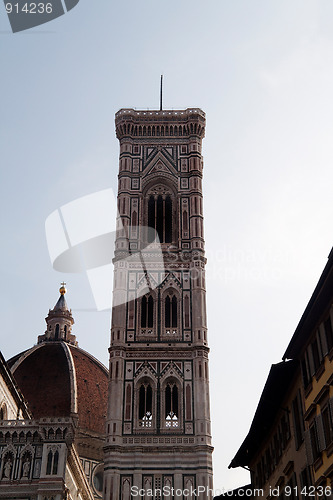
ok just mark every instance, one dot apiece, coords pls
pixel 161 93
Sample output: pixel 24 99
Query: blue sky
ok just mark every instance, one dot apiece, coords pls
pixel 262 72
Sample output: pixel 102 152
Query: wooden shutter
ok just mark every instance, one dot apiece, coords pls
pixel 320 433
pixel 308 449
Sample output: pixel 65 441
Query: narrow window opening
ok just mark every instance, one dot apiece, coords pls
pixel 174 312
pixel 167 312
pixel 159 218
pixel 150 312
pixel 145 405
pixel 168 220
pixel 171 406
pixel 55 463
pixel 143 312
pixel 49 463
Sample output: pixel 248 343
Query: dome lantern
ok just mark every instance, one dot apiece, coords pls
pixel 59 321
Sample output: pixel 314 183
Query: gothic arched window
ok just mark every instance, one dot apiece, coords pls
pixel 171 406
pixel 170 314
pixel 160 218
pixel 147 312
pixel 57 332
pixel 145 405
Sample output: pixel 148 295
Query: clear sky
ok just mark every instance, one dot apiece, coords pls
pixel 263 73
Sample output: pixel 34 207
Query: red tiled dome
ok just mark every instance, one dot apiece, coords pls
pixel 59 379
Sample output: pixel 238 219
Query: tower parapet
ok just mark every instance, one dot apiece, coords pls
pixel 159 124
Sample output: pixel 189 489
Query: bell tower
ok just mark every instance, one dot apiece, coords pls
pixel 158 423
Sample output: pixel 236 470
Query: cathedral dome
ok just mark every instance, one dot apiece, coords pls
pixel 59 379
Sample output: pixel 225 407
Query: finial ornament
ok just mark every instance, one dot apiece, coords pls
pixel 62 289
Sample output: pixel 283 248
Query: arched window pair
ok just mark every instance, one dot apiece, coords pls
pixel 160 218
pixel 171 406
pixel 170 311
